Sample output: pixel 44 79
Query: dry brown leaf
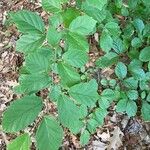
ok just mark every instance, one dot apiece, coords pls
pixel 98 145
pixel 116 139
pixel 105 136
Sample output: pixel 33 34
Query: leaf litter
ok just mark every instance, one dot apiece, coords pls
pixel 119 132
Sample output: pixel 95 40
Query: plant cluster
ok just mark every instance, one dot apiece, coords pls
pixel 60 50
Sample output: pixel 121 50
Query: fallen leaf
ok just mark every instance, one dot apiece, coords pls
pixel 116 139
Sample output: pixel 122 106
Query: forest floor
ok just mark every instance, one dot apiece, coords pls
pixel 119 132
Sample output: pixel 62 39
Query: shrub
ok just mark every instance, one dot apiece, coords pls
pixel 60 50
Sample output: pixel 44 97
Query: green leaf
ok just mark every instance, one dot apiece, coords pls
pixel 144 85
pixel 49 135
pixel 69 15
pixel 149 65
pixel 95 4
pixel 138 73
pixel 28 22
pixel 131 83
pixel 68 74
pixel 95 9
pixel 148 97
pixel 146 31
pixel 104 82
pixel 132 94
pixel 34 82
pixel 139 25
pixel 53 36
pixel 104 103
pixel 121 105
pixel 28 43
pixel 84 138
pixel 56 20
pixel 52 6
pixel 92 124
pixel 69 114
pixel 22 142
pixel 83 25
pixel 37 63
pixel 55 93
pixel 75 57
pixel 135 64
pixel 118 46
pixel 131 108
pixel 99 115
pixel 121 70
pixel 107 60
pixel 113 29
pixel 46 52
pixel 145 54
pixel 85 93
pixel 143 95
pixel 106 42
pixel 145 111
pixel 136 42
pixel 112 82
pixel 21 113
pixel 108 94
pixel 76 41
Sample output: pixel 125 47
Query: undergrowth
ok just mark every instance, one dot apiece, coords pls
pixel 56 57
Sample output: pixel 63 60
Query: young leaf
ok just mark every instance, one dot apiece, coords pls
pixel 52 6
pixel 145 54
pixel 132 94
pixel 131 108
pixel 56 20
pixel 69 15
pixel 69 114
pixel 99 115
pixel 75 57
pixel 106 42
pixel 28 43
pixel 22 142
pixel 108 94
pixel 148 97
pixel 21 113
pixel 112 82
pixel 49 135
pixel 28 22
pixel 85 93
pixel 83 25
pixel 139 25
pixel 113 29
pixel 55 93
pixel 138 73
pixel 53 36
pixel 104 103
pixel 85 137
pixel 118 46
pixel 121 105
pixel 107 60
pixel 136 42
pixel 68 74
pixel 76 41
pixel 131 83
pixel 92 124
pixel 146 111
pixel 121 70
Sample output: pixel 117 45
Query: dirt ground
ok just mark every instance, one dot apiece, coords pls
pixel 118 133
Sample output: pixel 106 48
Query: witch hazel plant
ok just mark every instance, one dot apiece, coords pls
pixel 80 108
